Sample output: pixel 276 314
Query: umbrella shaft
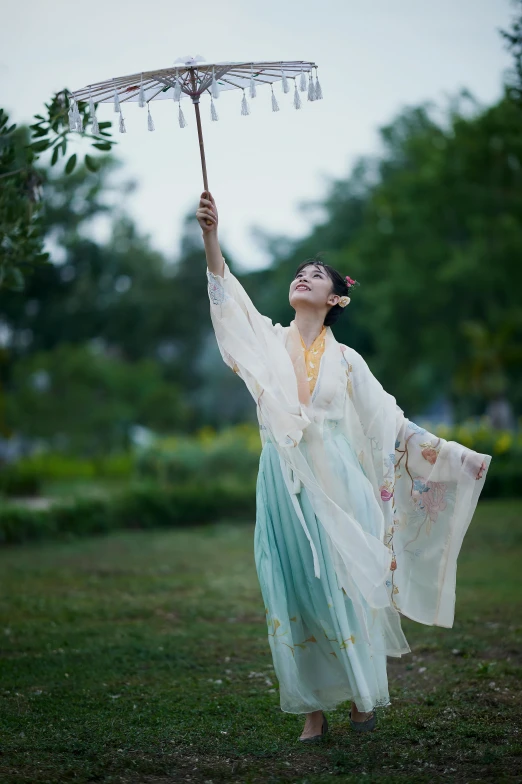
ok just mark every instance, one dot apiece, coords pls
pixel 201 147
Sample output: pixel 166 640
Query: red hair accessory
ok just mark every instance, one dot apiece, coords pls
pixel 350 282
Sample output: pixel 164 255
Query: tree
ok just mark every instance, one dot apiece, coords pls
pixel 78 398
pixel 21 234
pixel 513 39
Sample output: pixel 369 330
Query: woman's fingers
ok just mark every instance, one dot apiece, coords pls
pixel 207 203
pixel 206 211
pixel 204 215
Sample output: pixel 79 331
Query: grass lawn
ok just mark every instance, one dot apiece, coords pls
pixel 143 657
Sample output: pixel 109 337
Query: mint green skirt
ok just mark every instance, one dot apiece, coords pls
pixel 319 654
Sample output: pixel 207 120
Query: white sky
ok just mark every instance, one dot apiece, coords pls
pixel 374 58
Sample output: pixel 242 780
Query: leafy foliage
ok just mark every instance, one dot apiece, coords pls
pixel 513 40
pixel 21 191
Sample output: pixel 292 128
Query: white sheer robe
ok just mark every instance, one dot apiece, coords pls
pixel 404 559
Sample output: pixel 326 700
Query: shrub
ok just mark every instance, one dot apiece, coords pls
pixel 143 506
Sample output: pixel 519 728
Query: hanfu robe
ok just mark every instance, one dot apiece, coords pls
pixel 360 513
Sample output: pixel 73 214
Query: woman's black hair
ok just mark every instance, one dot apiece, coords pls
pixel 339 286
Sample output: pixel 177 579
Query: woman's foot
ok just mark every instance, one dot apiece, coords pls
pixel 313 724
pixel 357 715
pixel 362 721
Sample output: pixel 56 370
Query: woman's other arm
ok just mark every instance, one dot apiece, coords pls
pixel 207 211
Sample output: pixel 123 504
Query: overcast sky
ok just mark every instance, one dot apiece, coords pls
pixel 374 57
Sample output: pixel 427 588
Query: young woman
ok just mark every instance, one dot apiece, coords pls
pixel 360 512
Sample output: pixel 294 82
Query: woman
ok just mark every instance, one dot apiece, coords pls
pixel 360 512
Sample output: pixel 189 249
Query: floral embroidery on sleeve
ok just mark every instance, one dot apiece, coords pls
pixel 216 290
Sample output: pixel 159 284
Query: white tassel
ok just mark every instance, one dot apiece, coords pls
pixel 142 101
pixel 302 81
pixel 213 113
pixel 275 107
pixel 182 122
pixel 79 123
pixel 122 124
pixel 286 87
pixel 116 101
pixel 72 116
pixel 150 122
pixel 252 83
pixel 297 100
pixel 311 87
pixel 215 86
pixel 177 88
pixel 244 105
pixel 92 111
pixel 318 91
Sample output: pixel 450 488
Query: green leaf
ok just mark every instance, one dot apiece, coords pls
pixel 40 146
pixel 104 146
pixel 104 125
pixel 92 164
pixel 55 155
pixel 14 279
pixel 71 163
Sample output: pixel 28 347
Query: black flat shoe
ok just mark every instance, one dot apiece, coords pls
pixel 364 726
pixel 315 738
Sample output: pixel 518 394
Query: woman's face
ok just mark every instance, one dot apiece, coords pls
pixel 312 287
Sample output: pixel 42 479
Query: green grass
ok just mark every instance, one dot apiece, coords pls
pixel 143 657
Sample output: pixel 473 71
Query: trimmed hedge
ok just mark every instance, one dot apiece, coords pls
pixel 141 507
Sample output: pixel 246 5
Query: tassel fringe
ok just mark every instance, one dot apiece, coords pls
pixel 122 124
pixel 244 105
pixel 297 100
pixel 286 88
pixel 150 121
pixel 311 87
pixel 213 113
pixel 92 112
pixel 215 86
pixel 75 118
pixel 252 84
pixel 275 107
pixel 181 118
pixel 318 91
pixel 177 88
pixel 141 102
pixel 302 81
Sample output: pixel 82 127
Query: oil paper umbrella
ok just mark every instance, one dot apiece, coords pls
pixel 193 77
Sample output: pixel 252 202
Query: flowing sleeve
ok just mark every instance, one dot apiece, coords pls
pixel 429 490
pixel 253 346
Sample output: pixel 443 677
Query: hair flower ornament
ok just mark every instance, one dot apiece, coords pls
pixel 350 283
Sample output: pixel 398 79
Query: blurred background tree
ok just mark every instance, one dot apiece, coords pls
pixel 431 227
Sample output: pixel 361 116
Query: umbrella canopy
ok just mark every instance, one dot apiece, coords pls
pixel 193 77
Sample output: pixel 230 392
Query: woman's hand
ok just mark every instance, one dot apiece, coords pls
pixel 207 213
